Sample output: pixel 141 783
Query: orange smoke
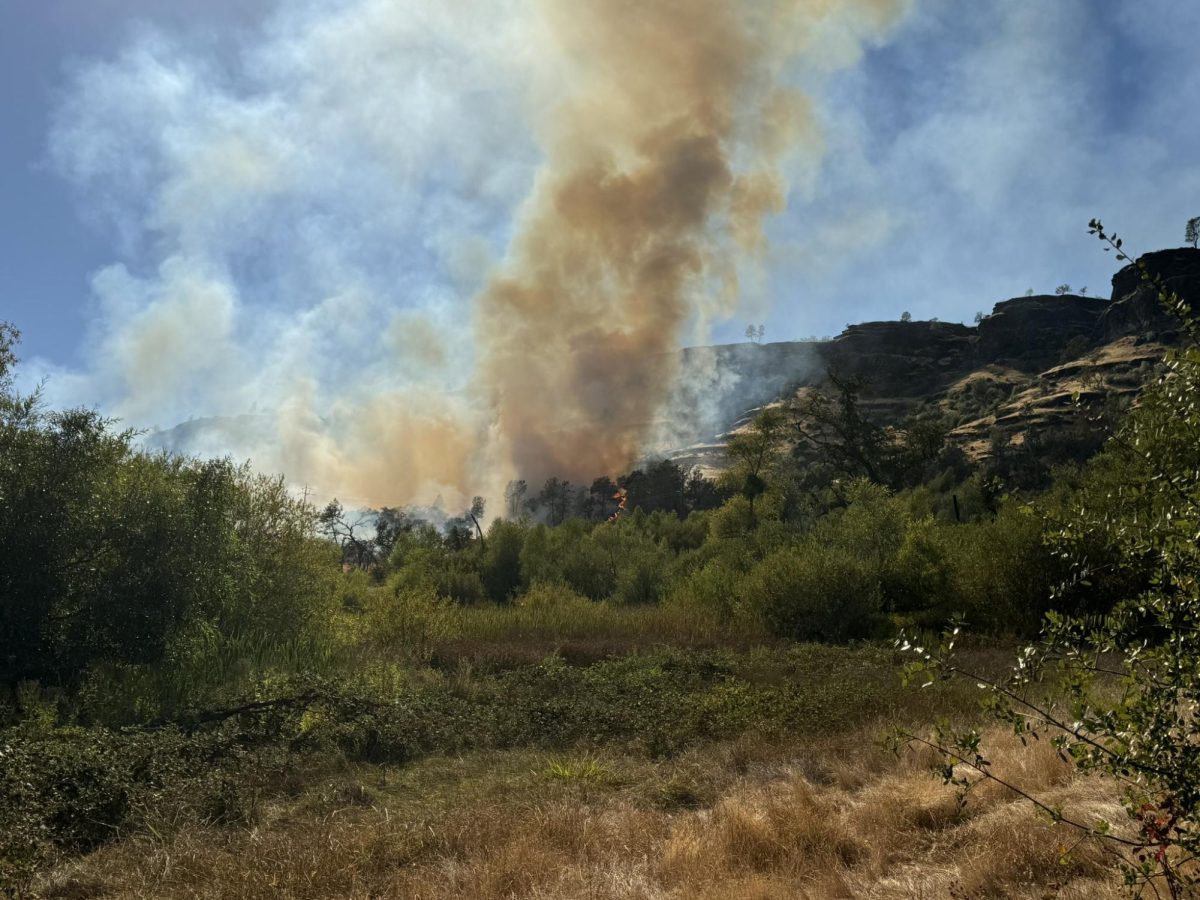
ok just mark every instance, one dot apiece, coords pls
pixel 662 160
pixel 664 126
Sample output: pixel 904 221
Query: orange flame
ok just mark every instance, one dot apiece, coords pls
pixel 622 497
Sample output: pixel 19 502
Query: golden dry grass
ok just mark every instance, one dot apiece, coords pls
pixel 738 821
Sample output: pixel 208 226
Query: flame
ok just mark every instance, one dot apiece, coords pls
pixel 622 497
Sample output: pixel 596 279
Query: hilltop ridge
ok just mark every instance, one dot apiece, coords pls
pixel 1015 371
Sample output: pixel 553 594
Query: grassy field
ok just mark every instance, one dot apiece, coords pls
pixel 741 819
pixel 741 772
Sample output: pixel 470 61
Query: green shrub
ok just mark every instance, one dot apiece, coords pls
pixel 713 588
pixel 734 519
pixel 1005 575
pixel 573 554
pixel 642 578
pixel 502 575
pixel 921 578
pixel 448 574
pixel 411 621
pixel 543 596
pixel 872 526
pixel 815 591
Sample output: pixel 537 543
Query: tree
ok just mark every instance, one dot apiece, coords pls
pixel 831 427
pixel 1129 681
pixel 1062 289
pixel 14 410
pixel 555 497
pixel 978 317
pixel 906 316
pixel 753 453
pixel 755 333
pixel 837 441
pixel 389 525
pixel 114 557
pixel 599 502
pixel 9 338
pixel 660 486
pixel 1191 234
pixel 458 534
pixel 475 513
pixel 700 493
pixel 514 498
pixel 348 532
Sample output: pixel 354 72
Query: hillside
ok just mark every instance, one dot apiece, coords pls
pixel 1013 374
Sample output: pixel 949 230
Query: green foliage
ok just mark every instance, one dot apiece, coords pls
pixel 408 621
pixel 921 576
pixel 422 562
pixel 70 790
pixel 501 568
pixel 836 440
pixel 753 455
pixel 814 592
pixel 1127 682
pixel 711 587
pixel 1003 573
pixel 571 555
pixel 153 566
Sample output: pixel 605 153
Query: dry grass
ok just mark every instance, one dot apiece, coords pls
pixel 739 820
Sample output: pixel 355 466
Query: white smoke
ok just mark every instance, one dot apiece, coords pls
pixel 303 230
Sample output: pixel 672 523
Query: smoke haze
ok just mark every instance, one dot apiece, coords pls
pixel 588 182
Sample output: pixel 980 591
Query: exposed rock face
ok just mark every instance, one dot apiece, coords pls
pixel 920 355
pixel 1180 268
pixel 1135 309
pixel 1021 404
pixel 1029 333
pixel 1018 370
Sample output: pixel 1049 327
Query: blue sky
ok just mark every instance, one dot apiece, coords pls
pixel 47 250
pixel 203 200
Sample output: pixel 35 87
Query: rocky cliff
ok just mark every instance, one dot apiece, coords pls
pixel 1016 370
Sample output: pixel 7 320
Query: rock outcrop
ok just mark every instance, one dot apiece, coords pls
pixel 1030 333
pixel 1015 372
pixel 1135 309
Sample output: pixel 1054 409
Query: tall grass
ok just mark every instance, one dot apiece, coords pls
pixel 417 626
pixel 762 821
pixel 207 669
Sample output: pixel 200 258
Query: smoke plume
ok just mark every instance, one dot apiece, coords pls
pixel 283 206
pixel 660 167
